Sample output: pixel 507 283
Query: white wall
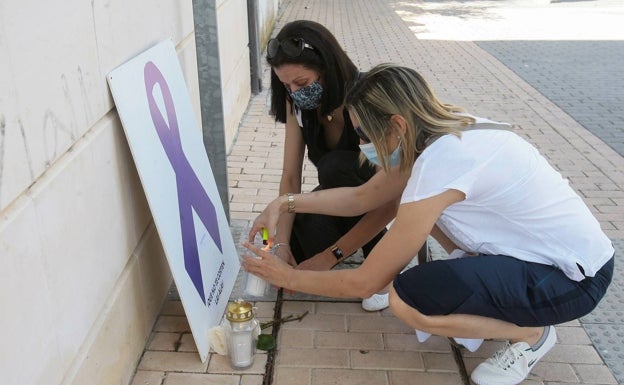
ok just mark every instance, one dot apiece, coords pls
pixel 267 14
pixel 84 273
pixel 234 58
pixel 234 54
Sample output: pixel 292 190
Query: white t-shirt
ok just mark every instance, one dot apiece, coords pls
pixel 516 203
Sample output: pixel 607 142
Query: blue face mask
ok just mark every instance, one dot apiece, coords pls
pixel 371 154
pixel 308 97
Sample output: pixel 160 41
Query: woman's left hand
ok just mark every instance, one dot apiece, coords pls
pixel 322 261
pixel 267 266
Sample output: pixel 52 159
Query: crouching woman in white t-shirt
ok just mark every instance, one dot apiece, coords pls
pixel 534 254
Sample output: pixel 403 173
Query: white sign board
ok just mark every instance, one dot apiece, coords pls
pixel 165 140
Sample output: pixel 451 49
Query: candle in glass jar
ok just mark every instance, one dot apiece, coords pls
pixel 241 337
pixel 241 353
pixel 255 286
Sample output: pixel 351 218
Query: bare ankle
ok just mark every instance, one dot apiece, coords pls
pixel 532 336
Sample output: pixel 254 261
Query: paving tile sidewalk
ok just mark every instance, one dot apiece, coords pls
pixel 337 342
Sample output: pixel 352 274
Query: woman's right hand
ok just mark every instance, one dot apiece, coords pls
pixel 268 219
pixel 267 267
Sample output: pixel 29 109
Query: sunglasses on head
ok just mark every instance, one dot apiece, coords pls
pixel 291 47
pixel 361 134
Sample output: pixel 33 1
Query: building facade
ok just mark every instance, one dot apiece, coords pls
pixel 84 272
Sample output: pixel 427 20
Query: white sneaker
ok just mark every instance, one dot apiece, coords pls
pixel 375 302
pixel 512 364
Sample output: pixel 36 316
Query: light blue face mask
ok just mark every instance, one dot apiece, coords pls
pixel 370 153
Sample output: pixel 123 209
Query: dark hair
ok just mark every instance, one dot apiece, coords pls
pixel 328 58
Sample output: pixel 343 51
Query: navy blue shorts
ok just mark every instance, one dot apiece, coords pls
pixel 501 287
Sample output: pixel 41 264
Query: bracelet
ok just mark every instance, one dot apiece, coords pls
pixel 275 246
pixel 291 202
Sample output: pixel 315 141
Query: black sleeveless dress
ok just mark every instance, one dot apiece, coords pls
pixel 337 167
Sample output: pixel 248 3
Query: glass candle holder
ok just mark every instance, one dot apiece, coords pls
pixel 255 286
pixel 240 334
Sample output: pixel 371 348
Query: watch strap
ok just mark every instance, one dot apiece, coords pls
pixel 337 251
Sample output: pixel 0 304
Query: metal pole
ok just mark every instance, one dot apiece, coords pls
pixel 254 46
pixel 209 76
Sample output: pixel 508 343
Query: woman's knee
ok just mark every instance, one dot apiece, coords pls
pixel 406 313
pixel 397 305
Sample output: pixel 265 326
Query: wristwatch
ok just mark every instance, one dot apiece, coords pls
pixel 337 252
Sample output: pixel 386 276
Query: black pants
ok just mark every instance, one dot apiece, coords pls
pixel 313 233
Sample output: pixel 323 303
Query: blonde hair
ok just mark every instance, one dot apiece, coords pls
pixel 388 90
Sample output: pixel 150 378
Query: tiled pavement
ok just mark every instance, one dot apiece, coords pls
pixel 337 342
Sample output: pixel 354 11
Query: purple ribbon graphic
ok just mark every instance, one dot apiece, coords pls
pixel 191 193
